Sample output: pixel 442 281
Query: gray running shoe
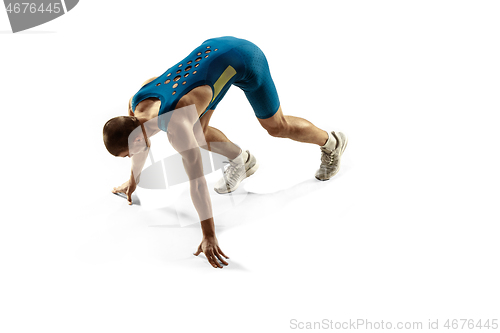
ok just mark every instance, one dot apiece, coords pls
pixel 236 171
pixel 330 159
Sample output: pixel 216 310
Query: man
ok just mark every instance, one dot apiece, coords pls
pixel 181 102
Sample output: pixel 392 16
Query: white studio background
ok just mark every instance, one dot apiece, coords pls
pixel 407 231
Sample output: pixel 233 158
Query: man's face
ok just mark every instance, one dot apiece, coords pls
pixel 124 154
pixel 138 145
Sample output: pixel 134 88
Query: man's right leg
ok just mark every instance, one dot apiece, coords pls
pixel 295 128
pixel 332 144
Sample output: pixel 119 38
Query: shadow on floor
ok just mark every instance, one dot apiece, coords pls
pixel 253 206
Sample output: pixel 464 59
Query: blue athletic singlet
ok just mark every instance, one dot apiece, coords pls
pixel 219 63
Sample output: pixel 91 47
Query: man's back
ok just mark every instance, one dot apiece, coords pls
pixel 216 63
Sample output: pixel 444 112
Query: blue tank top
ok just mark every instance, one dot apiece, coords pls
pixel 215 63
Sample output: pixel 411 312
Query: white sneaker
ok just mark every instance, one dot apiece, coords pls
pixel 330 157
pixel 236 171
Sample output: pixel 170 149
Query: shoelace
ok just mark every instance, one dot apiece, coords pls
pixel 230 173
pixel 328 156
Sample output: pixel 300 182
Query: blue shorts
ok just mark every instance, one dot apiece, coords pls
pixel 258 86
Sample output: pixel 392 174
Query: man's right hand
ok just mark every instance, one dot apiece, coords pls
pixel 128 188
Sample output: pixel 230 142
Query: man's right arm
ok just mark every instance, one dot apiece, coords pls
pixel 138 161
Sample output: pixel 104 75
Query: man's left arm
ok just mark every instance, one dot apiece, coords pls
pixel 182 138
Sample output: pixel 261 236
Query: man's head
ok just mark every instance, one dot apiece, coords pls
pixel 117 134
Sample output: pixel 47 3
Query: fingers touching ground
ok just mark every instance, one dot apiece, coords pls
pixel 213 260
pixel 213 257
pixel 116 190
pixel 220 251
pixel 218 255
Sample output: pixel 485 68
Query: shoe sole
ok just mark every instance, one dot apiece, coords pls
pixel 249 172
pixel 343 148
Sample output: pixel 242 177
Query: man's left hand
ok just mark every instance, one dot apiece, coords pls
pixel 210 247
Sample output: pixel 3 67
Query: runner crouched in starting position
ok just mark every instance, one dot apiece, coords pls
pixel 181 102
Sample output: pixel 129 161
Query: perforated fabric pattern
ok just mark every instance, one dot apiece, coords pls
pixel 204 66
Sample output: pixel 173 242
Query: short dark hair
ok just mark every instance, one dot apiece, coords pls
pixel 116 132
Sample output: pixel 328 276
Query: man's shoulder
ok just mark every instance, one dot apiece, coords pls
pixel 130 112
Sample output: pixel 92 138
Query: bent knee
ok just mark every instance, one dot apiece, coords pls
pixel 277 131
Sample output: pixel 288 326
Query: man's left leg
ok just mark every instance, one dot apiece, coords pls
pixel 241 164
pixel 332 144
